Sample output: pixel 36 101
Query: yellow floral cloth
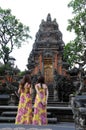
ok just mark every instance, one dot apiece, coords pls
pixel 24 114
pixel 40 111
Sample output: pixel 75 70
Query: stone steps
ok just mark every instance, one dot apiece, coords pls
pixel 56 111
pixel 11 119
pixel 7 119
pixel 9 113
pixel 54 114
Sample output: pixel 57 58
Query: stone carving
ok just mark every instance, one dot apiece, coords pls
pixel 78 101
pixel 48 37
pixel 49 18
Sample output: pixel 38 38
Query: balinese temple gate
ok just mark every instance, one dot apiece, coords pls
pixel 46 55
pixel 47 51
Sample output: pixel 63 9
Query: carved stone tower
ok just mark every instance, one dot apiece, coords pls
pixel 47 51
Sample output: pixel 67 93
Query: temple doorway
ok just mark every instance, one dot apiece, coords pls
pixel 48 70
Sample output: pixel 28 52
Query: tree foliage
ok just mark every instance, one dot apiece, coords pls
pixel 12 33
pixel 3 69
pixel 75 49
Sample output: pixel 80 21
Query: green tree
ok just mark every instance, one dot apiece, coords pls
pixel 12 33
pixel 74 50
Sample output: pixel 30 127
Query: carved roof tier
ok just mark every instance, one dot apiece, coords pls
pixel 48 38
pixel 48 35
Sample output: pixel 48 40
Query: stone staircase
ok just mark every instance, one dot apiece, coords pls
pixel 8 114
pixel 56 111
pixel 52 101
pixel 54 114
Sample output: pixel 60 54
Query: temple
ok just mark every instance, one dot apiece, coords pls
pixel 47 52
pixel 67 87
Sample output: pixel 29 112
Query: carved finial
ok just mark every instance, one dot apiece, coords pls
pixel 42 21
pixel 48 18
pixel 54 20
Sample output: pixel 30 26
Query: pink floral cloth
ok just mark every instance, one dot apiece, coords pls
pixel 24 114
pixel 40 112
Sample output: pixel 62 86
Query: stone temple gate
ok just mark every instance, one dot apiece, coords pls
pixel 47 51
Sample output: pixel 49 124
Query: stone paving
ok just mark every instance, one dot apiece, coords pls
pixel 20 128
pixel 60 126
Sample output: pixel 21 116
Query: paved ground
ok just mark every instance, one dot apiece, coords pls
pixel 59 126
